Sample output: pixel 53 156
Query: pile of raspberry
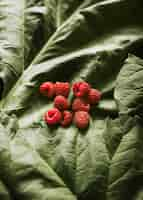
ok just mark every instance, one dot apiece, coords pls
pixel 65 112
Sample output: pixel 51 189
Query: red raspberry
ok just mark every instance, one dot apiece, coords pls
pixel 61 102
pixel 62 88
pixel 81 89
pixel 94 96
pixel 53 116
pixel 47 89
pixel 67 118
pixel 80 105
pixel 81 119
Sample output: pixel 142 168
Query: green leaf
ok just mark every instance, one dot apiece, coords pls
pixel 139 195
pixel 26 173
pixel 129 86
pixel 126 169
pixel 11 42
pixel 59 10
pixel 112 135
pixel 33 28
pixel 73 41
pixel 82 30
pixel 91 58
pixel 4 194
pixel 69 152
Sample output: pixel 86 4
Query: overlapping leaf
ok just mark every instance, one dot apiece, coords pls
pixel 34 13
pixel 11 42
pixel 126 170
pixel 89 40
pixel 27 175
pixel 129 87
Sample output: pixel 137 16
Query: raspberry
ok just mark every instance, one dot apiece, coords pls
pixel 80 105
pixel 81 119
pixel 62 88
pixel 61 102
pixel 67 118
pixel 81 89
pixel 53 116
pixel 47 89
pixel 94 96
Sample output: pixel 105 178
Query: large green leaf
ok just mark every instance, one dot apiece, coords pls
pixel 129 87
pixel 126 169
pixel 59 10
pixel 90 25
pixel 84 40
pixel 34 13
pixel 26 174
pixel 11 42
pixel 69 152
pixel 112 135
pixel 94 57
